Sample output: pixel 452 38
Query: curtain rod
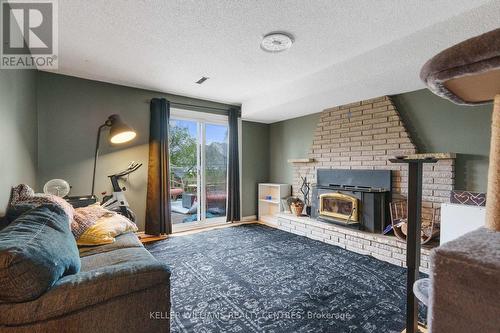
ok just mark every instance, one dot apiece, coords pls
pixel 199 106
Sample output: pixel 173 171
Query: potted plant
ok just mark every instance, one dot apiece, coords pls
pixel 296 206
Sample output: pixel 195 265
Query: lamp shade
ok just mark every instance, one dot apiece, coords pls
pixel 119 132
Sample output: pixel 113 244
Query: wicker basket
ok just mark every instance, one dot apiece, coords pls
pixel 297 208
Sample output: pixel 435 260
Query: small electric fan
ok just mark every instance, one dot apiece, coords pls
pixel 58 187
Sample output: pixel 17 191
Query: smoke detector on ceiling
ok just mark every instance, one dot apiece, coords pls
pixel 276 42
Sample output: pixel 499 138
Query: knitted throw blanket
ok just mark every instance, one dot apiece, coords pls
pixel 80 219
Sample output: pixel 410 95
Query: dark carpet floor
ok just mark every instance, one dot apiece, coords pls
pixel 253 278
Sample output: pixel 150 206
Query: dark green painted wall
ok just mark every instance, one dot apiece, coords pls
pixel 18 131
pixel 255 163
pixel 435 125
pixel 289 139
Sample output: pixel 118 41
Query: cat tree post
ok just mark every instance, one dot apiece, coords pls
pixel 493 196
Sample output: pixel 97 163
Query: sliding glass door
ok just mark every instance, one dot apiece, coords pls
pixel 198 168
pixel 214 166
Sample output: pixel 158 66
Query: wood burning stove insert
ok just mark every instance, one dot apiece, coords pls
pixel 354 198
pixel 339 205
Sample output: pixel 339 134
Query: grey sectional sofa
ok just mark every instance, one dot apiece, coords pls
pixel 120 288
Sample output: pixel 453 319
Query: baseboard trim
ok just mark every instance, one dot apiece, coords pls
pixel 244 220
pixel 208 227
pixel 249 218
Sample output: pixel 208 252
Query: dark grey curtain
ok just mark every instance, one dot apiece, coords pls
pixel 233 203
pixel 158 192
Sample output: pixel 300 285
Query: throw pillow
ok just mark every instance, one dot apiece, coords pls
pixel 105 230
pixel 86 217
pixel 14 211
pixel 36 250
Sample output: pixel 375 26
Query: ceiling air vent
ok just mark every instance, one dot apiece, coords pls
pixel 203 79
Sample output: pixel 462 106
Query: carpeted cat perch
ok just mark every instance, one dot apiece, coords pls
pixel 465 273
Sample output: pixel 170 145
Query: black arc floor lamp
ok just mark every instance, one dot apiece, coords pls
pixel 119 132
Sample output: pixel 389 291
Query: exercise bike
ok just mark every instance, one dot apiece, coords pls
pixel 117 201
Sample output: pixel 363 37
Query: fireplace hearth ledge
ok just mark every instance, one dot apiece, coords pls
pixel 382 247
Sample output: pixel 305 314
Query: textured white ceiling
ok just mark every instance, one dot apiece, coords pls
pixel 344 50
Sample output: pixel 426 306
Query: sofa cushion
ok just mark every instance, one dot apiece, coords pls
pixel 123 241
pixel 104 276
pixel 36 250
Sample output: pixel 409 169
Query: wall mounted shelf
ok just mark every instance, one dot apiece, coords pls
pixel 436 156
pixel 301 160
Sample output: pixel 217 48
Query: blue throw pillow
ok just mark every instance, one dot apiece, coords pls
pixel 36 250
pixel 14 211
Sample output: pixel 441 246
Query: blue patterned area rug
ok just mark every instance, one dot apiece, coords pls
pixel 253 278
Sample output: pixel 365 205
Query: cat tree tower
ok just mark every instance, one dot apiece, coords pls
pixel 465 273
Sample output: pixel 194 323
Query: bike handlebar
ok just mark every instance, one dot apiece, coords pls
pixel 132 167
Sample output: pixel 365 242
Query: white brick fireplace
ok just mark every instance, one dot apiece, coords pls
pixel 365 135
